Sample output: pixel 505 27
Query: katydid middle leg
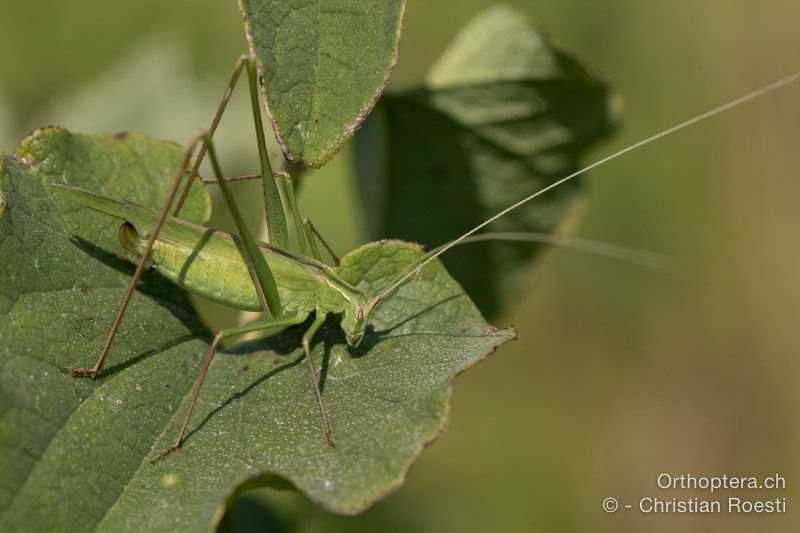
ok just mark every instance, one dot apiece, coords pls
pixel 201 139
pixel 258 268
pixel 274 212
pixel 310 234
pixel 223 334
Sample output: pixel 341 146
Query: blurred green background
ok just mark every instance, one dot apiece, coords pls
pixel 621 372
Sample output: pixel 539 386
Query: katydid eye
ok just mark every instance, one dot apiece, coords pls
pixel 359 313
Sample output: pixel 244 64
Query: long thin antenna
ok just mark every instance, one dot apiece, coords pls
pixel 621 253
pixel 685 124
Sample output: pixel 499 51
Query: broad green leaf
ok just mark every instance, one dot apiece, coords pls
pixel 502 114
pixel 75 454
pixel 323 64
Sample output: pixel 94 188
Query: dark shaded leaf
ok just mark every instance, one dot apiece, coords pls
pixel 502 114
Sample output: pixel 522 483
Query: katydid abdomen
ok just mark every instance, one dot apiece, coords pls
pixel 209 263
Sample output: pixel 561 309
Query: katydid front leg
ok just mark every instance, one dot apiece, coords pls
pixel 313 235
pixel 319 319
pixel 309 232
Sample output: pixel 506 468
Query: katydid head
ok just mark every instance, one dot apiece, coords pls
pixel 354 320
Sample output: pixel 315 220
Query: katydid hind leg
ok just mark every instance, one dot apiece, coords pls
pixel 229 179
pixel 307 234
pixel 224 334
pixel 221 107
pixel 263 280
pixel 140 268
pixel 274 213
pixel 277 231
pixel 171 195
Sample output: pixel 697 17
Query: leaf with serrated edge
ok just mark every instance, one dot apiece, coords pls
pixel 76 453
